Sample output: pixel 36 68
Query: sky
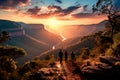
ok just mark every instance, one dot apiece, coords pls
pixel 53 13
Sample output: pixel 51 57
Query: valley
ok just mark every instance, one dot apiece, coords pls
pixel 37 41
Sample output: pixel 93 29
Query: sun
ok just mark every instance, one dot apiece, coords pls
pixel 53 23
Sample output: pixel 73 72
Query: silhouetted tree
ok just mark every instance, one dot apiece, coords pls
pixel 12 52
pixel 3 75
pixel 108 7
pixel 28 67
pixel 7 64
pixel 36 76
pixel 116 52
pixel 102 43
pixel 4 36
pixel 7 54
pixel 85 52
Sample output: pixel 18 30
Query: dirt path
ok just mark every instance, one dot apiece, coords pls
pixel 66 70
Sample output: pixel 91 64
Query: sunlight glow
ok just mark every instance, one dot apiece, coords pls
pixel 53 23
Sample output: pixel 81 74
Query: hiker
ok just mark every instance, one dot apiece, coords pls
pixel 73 56
pixel 60 55
pixel 66 55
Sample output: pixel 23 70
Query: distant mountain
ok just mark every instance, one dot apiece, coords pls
pixel 71 31
pixel 32 37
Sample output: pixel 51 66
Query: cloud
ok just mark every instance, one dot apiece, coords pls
pixel 54 8
pixel 59 1
pixel 85 7
pixel 80 9
pixel 69 10
pixel 84 15
pixel 42 16
pixel 11 4
pixel 50 11
pixel 34 10
pixel 58 11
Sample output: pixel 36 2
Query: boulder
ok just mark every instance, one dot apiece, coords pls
pixel 48 71
pixel 107 69
pixel 108 59
pixel 103 66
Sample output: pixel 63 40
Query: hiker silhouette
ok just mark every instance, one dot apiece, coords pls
pixel 66 55
pixel 60 55
pixel 73 56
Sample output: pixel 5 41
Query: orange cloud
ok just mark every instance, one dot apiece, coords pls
pixel 12 4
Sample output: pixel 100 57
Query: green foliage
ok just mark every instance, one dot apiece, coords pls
pixel 50 58
pixel 28 67
pixel 115 48
pixel 36 76
pixel 117 38
pixel 14 75
pixel 3 75
pixel 107 7
pixel 99 33
pixel 84 37
pixel 116 21
pixel 7 64
pixel 85 53
pixel 116 52
pixel 32 66
pixel 29 70
pixel 4 36
pixel 8 68
pixel 103 43
pixel 12 51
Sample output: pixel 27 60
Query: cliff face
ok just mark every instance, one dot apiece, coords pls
pixel 36 26
pixel 40 33
pixel 83 30
pixel 33 31
pixel 13 28
pixel 18 28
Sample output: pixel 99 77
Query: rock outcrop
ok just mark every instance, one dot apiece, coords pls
pixel 108 68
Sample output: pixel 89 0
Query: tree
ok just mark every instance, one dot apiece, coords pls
pixel 7 64
pixel 11 52
pixel 109 8
pixel 7 56
pixel 4 36
pixel 102 43
pixel 85 52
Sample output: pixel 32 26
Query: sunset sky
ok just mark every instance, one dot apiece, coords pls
pixel 51 12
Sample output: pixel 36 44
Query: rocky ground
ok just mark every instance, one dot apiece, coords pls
pixel 57 71
pixel 108 68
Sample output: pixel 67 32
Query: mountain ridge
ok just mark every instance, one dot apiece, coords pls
pixel 83 30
